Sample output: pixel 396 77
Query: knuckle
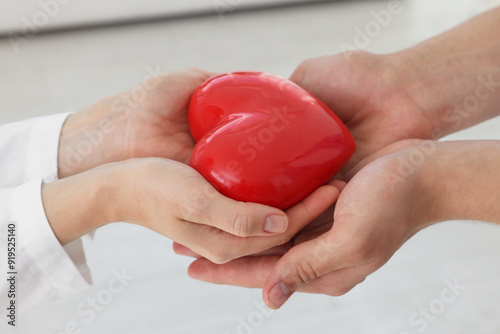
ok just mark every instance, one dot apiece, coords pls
pixel 218 257
pixel 241 225
pixel 307 271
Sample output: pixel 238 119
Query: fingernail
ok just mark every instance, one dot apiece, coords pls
pixel 275 224
pixel 279 295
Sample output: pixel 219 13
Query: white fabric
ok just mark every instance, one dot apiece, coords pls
pixel 45 269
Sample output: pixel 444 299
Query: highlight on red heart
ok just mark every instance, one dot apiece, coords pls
pixel 264 139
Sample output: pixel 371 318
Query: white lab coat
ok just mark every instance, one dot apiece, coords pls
pixel 45 270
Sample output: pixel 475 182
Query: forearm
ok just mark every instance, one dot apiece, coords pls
pixel 462 181
pixel 80 204
pixel 455 77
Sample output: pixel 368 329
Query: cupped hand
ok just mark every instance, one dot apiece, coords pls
pixel 377 211
pixel 149 120
pixel 371 95
pixel 174 200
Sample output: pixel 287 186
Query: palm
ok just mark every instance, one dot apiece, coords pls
pixel 159 123
pixel 317 227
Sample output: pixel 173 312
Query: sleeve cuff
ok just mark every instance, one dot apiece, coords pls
pixel 64 267
pixel 43 149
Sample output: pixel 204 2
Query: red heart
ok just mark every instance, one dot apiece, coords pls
pixel 261 138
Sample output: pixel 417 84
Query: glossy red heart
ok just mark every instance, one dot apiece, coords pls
pixel 261 138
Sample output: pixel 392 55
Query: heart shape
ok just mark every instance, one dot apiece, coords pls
pixel 263 139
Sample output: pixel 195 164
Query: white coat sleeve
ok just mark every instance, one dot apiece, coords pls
pixel 31 256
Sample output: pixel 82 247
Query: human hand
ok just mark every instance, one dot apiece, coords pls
pixel 174 200
pixel 441 86
pixel 149 120
pixel 423 92
pixel 369 94
pixel 387 201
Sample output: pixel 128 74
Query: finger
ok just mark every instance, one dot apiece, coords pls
pixel 337 283
pixel 243 219
pixel 252 272
pixel 301 71
pixel 339 184
pixel 204 74
pixel 205 206
pixel 185 251
pixel 202 204
pixel 188 77
pixel 278 250
pixel 248 272
pixel 302 265
pixel 221 247
pixel 175 87
pixel 313 205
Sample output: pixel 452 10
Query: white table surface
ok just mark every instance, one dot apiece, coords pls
pixel 61 72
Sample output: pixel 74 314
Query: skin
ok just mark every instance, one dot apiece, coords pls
pixel 135 171
pixel 174 200
pixel 414 92
pixel 399 180
pixel 150 120
pixel 332 259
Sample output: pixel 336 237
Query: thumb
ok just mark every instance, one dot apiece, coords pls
pixel 303 264
pixel 209 207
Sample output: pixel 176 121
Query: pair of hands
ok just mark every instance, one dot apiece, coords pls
pixel 371 222
pixel 167 196
pixel 134 169
pixel 396 180
pixel 387 102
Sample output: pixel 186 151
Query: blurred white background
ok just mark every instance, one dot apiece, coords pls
pixel 65 71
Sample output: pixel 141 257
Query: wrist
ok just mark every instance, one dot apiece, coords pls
pixel 81 204
pixel 462 182
pixel 455 77
pixel 429 86
pixel 90 138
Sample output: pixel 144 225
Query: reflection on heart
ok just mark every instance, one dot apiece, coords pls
pixel 263 139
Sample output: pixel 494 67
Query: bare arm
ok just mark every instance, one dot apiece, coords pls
pixel 455 77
